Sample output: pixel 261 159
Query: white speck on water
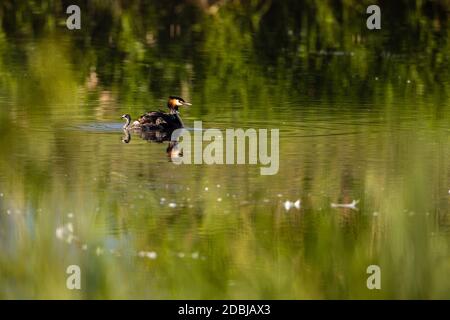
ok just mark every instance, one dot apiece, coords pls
pixel 219 199
pixel 70 215
pixel 206 188
pixel 84 247
pixel 375 213
pixel 172 205
pixel 218 186
pixel 190 206
pixel 162 200
pixel 411 213
pixel 351 205
pixel 180 255
pixel 376 78
pixel 289 204
pixel 65 233
pixel 408 81
pixel 194 255
pixel 147 254
pixel 1 195
pixel 279 195
pixel 141 196
pixel 266 200
pixel 59 232
pixel 427 213
pixel 99 251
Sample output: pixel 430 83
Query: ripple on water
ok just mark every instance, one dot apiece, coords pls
pixel 100 127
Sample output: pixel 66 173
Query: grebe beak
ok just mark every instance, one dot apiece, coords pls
pixel 186 103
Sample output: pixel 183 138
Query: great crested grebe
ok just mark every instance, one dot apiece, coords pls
pixel 159 120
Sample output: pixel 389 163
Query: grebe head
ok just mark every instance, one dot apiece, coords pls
pixel 127 117
pixel 175 102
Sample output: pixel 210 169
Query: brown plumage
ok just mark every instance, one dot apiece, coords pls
pixel 159 120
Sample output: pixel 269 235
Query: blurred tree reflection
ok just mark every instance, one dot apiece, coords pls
pixel 137 46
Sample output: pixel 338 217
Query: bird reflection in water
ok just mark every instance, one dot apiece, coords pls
pixel 158 136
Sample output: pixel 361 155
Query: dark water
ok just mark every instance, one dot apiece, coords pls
pixel 362 116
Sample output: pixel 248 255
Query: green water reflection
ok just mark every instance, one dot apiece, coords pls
pixel 363 115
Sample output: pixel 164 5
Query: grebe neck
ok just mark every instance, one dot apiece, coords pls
pixel 179 119
pixel 127 123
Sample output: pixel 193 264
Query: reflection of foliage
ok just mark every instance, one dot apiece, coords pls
pixel 219 42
